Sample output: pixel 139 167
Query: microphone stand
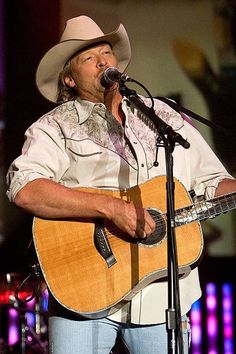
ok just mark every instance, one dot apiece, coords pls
pixel 170 138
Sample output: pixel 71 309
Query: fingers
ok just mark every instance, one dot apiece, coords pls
pixel 144 224
pixel 135 221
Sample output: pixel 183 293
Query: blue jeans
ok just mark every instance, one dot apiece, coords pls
pixel 99 336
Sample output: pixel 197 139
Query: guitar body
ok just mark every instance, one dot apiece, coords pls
pixel 79 277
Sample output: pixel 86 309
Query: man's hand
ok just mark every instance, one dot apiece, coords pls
pixel 135 221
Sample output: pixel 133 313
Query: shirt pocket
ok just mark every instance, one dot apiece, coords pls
pixel 83 148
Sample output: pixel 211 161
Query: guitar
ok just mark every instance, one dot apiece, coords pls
pixel 92 268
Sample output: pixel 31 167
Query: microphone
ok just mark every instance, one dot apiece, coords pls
pixel 112 75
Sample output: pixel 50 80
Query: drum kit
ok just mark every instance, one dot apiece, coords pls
pixel 23 314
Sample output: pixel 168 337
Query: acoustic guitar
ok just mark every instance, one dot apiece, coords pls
pixel 92 268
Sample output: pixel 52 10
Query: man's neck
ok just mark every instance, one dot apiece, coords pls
pixel 113 104
pixel 111 99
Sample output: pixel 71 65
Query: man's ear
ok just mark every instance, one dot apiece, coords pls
pixel 69 81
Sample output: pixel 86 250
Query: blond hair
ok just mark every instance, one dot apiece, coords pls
pixel 65 92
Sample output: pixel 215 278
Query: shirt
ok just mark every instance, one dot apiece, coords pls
pixel 81 144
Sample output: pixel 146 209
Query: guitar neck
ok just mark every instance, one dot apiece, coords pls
pixel 205 209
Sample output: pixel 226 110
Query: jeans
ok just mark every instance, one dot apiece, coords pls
pixel 99 336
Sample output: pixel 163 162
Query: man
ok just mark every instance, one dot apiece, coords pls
pixel 95 139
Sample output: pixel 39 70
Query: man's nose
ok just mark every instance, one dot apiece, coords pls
pixel 101 61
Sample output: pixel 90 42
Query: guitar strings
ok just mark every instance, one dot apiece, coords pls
pixel 191 211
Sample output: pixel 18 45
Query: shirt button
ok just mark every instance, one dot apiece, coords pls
pixel 142 164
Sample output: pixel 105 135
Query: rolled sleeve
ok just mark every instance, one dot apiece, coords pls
pixel 43 156
pixel 207 171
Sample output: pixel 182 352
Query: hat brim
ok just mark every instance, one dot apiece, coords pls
pixel 54 60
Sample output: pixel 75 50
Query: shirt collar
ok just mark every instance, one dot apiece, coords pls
pixel 85 108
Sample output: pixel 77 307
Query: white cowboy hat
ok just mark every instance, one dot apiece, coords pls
pixel 79 33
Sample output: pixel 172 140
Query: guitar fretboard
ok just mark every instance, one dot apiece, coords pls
pixel 205 209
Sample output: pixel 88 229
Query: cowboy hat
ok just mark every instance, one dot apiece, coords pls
pixel 79 33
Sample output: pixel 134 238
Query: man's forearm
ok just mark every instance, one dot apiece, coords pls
pixel 49 199
pixel 226 186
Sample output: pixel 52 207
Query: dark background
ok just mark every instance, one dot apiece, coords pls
pixel 29 32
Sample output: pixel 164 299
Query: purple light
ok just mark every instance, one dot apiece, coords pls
pixel 13 332
pixel 228 332
pixel 212 323
pixel 30 305
pixel 227 302
pixel 229 346
pixel 211 302
pixel 45 300
pixel 30 319
pixel 195 316
pixel 212 326
pixel 30 316
pixel 211 289
pixel 227 315
pixel 196 334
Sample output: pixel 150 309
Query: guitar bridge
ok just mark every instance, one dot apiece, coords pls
pixel 102 244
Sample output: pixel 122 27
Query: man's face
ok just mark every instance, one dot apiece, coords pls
pixel 87 68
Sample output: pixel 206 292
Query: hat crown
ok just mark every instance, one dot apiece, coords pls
pixel 79 32
pixel 82 28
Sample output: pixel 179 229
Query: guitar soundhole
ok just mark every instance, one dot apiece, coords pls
pixel 159 234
